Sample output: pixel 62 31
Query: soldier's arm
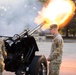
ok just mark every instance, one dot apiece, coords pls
pixel 4 50
pixel 57 49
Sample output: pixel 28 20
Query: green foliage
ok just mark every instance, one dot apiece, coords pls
pixel 43 1
pixel 73 27
pixel 70 29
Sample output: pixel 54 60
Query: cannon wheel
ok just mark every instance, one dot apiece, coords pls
pixel 20 72
pixel 38 66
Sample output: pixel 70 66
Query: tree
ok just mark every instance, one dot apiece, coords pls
pixel 70 28
pixel 43 1
pixel 73 27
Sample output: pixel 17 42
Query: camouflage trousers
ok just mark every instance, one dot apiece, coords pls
pixel 54 68
pixel 1 66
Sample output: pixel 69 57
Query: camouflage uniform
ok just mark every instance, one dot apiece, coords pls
pixel 55 56
pixel 3 54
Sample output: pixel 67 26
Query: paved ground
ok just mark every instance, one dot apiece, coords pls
pixel 68 66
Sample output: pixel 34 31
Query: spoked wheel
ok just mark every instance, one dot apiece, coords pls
pixel 38 66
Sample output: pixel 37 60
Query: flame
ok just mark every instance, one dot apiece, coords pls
pixel 59 12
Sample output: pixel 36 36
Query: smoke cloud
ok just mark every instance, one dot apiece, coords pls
pixel 17 15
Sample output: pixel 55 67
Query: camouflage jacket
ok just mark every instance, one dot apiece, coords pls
pixel 3 53
pixel 56 49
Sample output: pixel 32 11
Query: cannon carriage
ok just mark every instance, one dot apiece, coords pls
pixel 21 57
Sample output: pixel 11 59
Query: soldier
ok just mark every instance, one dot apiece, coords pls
pixel 55 56
pixel 3 55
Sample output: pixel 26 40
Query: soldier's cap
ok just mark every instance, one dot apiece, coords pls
pixel 53 26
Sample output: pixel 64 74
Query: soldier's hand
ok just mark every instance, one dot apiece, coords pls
pixel 4 54
pixel 48 59
pixel 2 66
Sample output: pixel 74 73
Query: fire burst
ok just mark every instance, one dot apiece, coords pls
pixel 59 12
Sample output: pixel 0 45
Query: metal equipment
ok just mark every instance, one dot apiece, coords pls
pixel 21 57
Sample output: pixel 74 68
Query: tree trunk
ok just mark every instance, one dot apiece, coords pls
pixel 73 34
pixel 67 35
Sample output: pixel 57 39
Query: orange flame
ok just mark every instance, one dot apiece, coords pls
pixel 59 12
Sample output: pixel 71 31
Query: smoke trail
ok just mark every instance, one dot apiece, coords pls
pixel 17 15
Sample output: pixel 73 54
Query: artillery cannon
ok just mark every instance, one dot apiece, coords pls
pixel 21 57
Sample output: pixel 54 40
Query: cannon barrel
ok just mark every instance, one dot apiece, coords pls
pixel 32 31
pixel 24 33
pixel 27 32
pixel 39 26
